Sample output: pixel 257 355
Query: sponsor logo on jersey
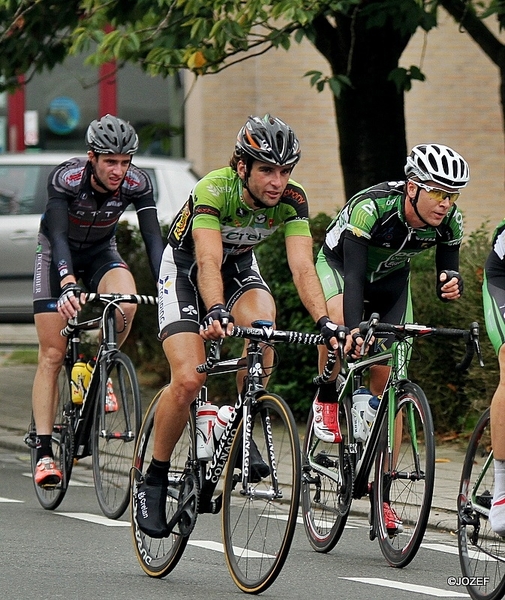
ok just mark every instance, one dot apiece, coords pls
pixel 294 195
pixel 190 310
pixel 260 219
pixel 180 226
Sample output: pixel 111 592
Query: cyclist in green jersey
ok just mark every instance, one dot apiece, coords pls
pixel 493 294
pixel 368 247
pixel 209 279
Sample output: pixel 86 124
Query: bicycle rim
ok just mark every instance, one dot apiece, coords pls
pixel 114 434
pixel 158 557
pixel 257 527
pixel 326 483
pixel 481 551
pixel 407 483
pixel 62 445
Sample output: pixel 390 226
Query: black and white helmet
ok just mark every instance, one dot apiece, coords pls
pixel 269 140
pixel 438 163
pixel 111 135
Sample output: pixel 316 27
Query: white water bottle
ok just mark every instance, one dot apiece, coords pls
pixel 223 416
pixel 205 417
pixel 360 400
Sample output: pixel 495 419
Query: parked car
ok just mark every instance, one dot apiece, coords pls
pixel 23 184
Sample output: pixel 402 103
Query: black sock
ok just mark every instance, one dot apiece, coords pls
pixel 44 447
pixel 157 471
pixel 327 392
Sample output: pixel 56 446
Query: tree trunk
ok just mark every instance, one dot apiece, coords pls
pixel 371 114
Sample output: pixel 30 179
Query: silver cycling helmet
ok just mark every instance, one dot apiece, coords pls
pixel 111 135
pixel 268 139
pixel 438 163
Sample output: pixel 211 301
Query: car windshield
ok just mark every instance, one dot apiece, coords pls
pixel 23 189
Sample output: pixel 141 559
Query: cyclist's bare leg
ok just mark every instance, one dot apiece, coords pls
pixel 254 304
pixel 184 352
pixel 497 514
pixel 120 281
pixel 52 348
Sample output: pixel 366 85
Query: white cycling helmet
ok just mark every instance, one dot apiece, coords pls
pixel 438 163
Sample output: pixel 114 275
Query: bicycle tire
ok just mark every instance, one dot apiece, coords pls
pixel 158 557
pixel 62 445
pixel 410 481
pixel 114 434
pixel 258 531
pixel 481 551
pixel 326 499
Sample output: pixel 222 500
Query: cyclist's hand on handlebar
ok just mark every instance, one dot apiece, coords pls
pixel 449 285
pixel 330 332
pixel 217 323
pixel 354 346
pixel 70 300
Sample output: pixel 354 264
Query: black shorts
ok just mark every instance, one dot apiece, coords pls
pixel 90 266
pixel 180 306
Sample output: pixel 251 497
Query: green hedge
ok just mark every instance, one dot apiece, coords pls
pixel 456 399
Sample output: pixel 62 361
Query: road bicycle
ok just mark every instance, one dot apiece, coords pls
pixel 400 442
pixel 481 551
pixel 258 517
pixel 87 429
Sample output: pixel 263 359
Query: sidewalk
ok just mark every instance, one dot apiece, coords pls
pixel 15 410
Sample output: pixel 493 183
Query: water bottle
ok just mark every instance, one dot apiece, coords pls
pixel 206 415
pixel 81 375
pixel 360 400
pixel 371 411
pixel 223 416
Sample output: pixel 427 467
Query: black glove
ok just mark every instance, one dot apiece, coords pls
pixel 329 330
pixel 69 290
pixel 218 312
pixel 450 275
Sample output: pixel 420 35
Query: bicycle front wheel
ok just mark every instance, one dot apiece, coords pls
pixel 158 557
pixel 259 521
pixel 117 422
pixel 481 551
pixel 404 479
pixel 327 482
pixel 62 442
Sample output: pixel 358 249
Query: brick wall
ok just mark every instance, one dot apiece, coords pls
pixel 458 105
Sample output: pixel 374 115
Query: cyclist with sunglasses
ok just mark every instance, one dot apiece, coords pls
pixel 368 248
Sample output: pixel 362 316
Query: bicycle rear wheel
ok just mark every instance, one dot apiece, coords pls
pixel 158 557
pixel 259 523
pixel 481 551
pixel 327 483
pixel 62 445
pixel 114 434
pixel 405 480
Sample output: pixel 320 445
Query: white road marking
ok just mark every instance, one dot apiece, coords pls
pixel 454 550
pixel 98 519
pixel 218 547
pixel 408 587
pixel 11 500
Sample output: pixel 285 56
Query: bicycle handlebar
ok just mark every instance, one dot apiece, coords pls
pixel 268 334
pixel 411 330
pixel 107 299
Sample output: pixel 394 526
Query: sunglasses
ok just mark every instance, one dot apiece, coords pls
pixel 438 194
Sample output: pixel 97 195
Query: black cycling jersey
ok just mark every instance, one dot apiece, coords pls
pixel 77 217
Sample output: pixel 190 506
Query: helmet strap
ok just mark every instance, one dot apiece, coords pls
pixel 414 201
pixel 256 201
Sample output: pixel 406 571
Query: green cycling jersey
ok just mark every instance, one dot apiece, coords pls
pixel 216 202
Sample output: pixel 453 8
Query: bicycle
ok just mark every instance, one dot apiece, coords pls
pixel 481 551
pixel 400 441
pixel 87 429
pixel 258 517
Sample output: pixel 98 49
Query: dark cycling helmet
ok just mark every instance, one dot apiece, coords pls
pixel 441 164
pixel 112 135
pixel 270 140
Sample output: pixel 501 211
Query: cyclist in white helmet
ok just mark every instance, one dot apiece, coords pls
pixel 77 243
pixel 364 264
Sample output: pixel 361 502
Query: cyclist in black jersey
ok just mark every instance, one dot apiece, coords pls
pixel 493 295
pixel 367 251
pixel 209 279
pixel 86 197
